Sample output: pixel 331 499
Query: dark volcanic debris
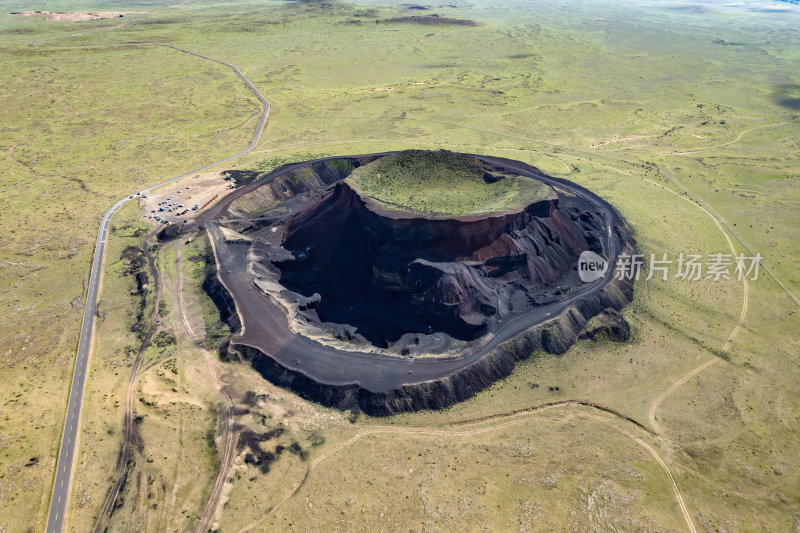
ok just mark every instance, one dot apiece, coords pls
pixel 388 276
pixel 329 273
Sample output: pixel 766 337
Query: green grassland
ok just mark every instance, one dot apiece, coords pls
pixel 443 183
pixel 80 129
pixel 630 99
pixel 503 479
pixel 174 449
pixel 111 360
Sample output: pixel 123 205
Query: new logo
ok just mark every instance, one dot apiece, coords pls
pixel 591 266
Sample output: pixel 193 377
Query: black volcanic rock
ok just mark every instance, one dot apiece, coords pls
pixel 555 337
pixel 389 275
pixel 220 296
pixel 516 269
pixel 172 232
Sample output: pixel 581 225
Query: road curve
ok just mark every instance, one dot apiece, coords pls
pixel 66 455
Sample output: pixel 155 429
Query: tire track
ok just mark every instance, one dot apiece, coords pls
pixel 736 140
pixel 515 419
pixel 728 342
pixel 63 473
pixel 127 428
pixel 231 436
pixel 651 414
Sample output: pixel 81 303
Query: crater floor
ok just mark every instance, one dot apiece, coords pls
pixel 338 292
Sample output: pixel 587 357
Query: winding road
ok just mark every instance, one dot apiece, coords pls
pixel 375 372
pixel 66 455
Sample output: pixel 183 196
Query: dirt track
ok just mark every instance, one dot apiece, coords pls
pixel 270 334
pixel 507 420
pixel 726 347
pixel 229 436
pixel 125 450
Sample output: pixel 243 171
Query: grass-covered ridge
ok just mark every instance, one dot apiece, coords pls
pixel 444 183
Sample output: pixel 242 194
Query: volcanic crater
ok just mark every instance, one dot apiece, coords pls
pixel 375 273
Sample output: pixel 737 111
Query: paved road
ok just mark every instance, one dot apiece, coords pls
pixel 265 326
pixel 66 456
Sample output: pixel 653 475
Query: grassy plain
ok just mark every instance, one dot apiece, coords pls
pixel 692 97
pixel 79 130
pixel 443 183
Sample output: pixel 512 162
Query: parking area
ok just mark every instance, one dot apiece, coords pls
pixel 180 201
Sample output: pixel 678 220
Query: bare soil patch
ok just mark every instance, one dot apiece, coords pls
pixel 80 16
pixel 197 189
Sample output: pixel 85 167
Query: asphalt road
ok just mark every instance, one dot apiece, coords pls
pixel 265 325
pixel 66 456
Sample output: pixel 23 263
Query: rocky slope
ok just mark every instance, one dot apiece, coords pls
pixel 388 275
pixel 554 337
pixel 481 292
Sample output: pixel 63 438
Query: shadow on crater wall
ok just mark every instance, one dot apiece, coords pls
pixel 390 277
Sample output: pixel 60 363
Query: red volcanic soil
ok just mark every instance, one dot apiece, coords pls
pixel 313 260
pixel 389 276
